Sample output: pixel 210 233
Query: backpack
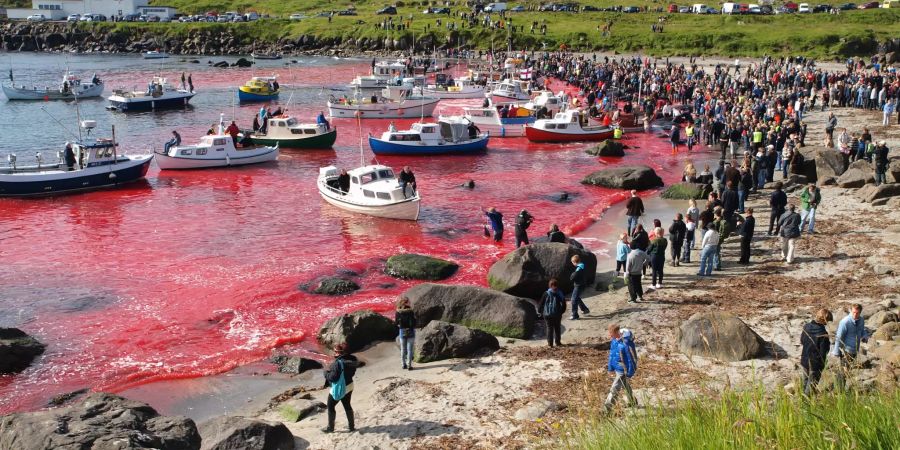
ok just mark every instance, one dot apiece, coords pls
pixel 628 338
pixel 339 387
pixel 554 305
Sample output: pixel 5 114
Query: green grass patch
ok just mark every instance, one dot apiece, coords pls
pixel 751 420
pixel 496 329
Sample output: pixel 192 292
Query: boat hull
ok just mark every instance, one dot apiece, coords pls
pixel 14 93
pixel 324 140
pixel 407 210
pixel 149 104
pixel 514 127
pixel 380 147
pixel 75 181
pixel 166 162
pixel 410 109
pixel 500 99
pixel 251 97
pixel 454 94
pixel 539 135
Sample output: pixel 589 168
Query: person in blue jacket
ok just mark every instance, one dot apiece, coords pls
pixel 851 332
pixel 496 219
pixel 622 364
pixel 321 120
pixel 622 249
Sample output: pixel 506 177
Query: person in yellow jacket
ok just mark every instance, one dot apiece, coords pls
pixel 757 139
pixel 689 133
pixel 617 133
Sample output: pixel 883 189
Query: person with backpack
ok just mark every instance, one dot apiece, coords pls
pixel 339 376
pixel 578 279
pixel 551 307
pixel 523 221
pixel 622 365
pixel 814 353
pixel 790 231
pixel 405 319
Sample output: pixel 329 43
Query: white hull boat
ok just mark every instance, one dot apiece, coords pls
pixel 159 95
pixel 461 88
pixel 155 55
pixel 410 108
pixel 216 150
pixel 71 87
pixel 373 191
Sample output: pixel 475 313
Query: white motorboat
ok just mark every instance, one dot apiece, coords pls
pixel 384 74
pixel 568 126
pixel 70 87
pixel 373 190
pixel 506 120
pixel 159 95
pixel 510 91
pixel 458 88
pixel 450 135
pixel 553 103
pixel 153 54
pixel 215 150
pixel 382 107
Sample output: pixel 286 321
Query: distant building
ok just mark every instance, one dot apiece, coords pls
pixel 159 11
pixel 60 9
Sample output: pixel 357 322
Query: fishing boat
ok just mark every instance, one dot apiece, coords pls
pixel 445 87
pixel 566 126
pixel 501 121
pixel 70 87
pixel 381 107
pixel 448 136
pixel 552 103
pixel 153 54
pixel 373 190
pixel 83 165
pixel 159 95
pixel 214 150
pixel 510 91
pixel 287 132
pixel 266 55
pixel 259 89
pixel 384 73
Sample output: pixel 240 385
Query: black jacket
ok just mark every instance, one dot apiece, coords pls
pixel 748 227
pixel 405 319
pixel 545 297
pixel 729 201
pixel 815 344
pixel 640 240
pixel 634 207
pixel 334 370
pixel 778 201
pixel 557 236
pixel 790 224
pixel 677 232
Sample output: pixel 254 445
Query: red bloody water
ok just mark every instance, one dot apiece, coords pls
pixel 193 273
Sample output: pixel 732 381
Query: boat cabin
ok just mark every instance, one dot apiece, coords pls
pixel 261 85
pixel 156 88
pixel 385 69
pixel 289 127
pixel 98 153
pixel 376 183
pixel 444 131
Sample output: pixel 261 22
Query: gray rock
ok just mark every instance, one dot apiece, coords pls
pixel 608 147
pixel 882 269
pixel 475 307
pixel 883 191
pixel 887 331
pixel 17 350
pixel 687 191
pixel 100 421
pixel 857 174
pixel 420 267
pixel 335 286
pixel 625 177
pixel 297 409
pixel 537 409
pixel 241 433
pixel 829 163
pixel 357 329
pixel 526 271
pixel 892 175
pixel 442 340
pixel 880 318
pixel 294 364
pixel 720 336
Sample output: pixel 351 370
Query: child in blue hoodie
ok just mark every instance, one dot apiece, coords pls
pixel 622 364
pixel 622 249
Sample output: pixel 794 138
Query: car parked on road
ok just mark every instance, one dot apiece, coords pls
pixel 631 9
pixel 869 5
pixel 391 10
pixel 73 18
pixel 803 8
pixel 847 6
pixel 36 18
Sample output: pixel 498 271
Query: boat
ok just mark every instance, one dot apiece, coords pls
pixel 96 165
pixel 159 95
pixel 214 150
pixel 566 127
pixel 445 87
pixel 506 120
pixel 553 103
pixel 70 88
pixel 153 54
pixel 510 91
pixel 259 89
pixel 266 55
pixel 380 107
pixel 447 136
pixel 384 74
pixel 374 190
pixel 287 132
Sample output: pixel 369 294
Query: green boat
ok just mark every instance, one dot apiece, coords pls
pixel 287 132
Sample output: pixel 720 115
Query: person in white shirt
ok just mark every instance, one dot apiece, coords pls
pixel 634 267
pixel 708 245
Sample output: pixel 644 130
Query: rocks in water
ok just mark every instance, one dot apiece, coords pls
pixel 357 329
pixel 294 364
pixel 475 307
pixel 239 433
pixel 687 191
pixel 442 340
pixel 334 286
pixel 829 164
pixel 242 62
pixel 100 421
pixel 608 147
pixel 17 350
pixel 526 271
pixel 62 399
pixel 537 409
pixel 625 177
pixel 469 184
pixel 887 331
pixel 420 267
pixel 221 64
pixel 857 174
pixel 720 336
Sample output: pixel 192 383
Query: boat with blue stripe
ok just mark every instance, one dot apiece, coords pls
pixel 259 89
pixel 447 136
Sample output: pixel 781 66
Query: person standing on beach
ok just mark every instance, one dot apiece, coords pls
pixel 622 365
pixel 689 236
pixel 405 319
pixel 851 332
pixel 814 345
pixel 880 156
pixel 634 209
pixel 747 236
pixel 634 269
pixel 339 376
pixel 777 201
pixel 675 137
pixel 677 233
pixel 830 125
pixel 622 249
pixel 552 307
pixel 523 221
pixel 578 278
pixel 708 250
pixel 809 201
pixel 790 231
pixel 657 253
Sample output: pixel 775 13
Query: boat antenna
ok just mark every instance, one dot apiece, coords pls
pixel 362 159
pixel 77 136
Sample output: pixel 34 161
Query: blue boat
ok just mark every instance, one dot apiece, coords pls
pixel 159 95
pixel 447 136
pixel 259 89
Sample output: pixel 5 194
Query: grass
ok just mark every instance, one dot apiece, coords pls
pixel 496 329
pixel 751 420
pixel 419 267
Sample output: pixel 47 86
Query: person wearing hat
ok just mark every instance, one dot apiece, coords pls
pixel 344 366
pixel 523 221
pixel 880 155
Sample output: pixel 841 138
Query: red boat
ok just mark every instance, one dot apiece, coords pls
pixel 566 127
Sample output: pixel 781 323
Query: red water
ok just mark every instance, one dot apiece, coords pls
pixel 194 273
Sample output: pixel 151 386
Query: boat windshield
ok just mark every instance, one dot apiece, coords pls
pixel 291 122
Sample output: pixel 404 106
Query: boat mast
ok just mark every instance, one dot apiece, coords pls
pixel 115 153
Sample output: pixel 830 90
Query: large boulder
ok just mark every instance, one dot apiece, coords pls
pixel 331 286
pixel 357 329
pixel 242 62
pixel 887 331
pixel 442 340
pixel 100 421
pixel 687 191
pixel 625 177
pixel 809 162
pixel 721 336
pixel 857 174
pixel 475 307
pixel 419 267
pixel 880 318
pixel 526 271
pixel 17 350
pixel 829 163
pixel 608 147
pixel 882 191
pixel 893 171
pixel 241 433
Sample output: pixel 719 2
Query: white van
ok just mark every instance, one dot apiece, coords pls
pixel 699 8
pixel 495 7
pixel 730 8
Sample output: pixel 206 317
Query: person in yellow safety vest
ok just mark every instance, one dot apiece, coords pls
pixel 617 133
pixel 757 139
pixel 689 133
